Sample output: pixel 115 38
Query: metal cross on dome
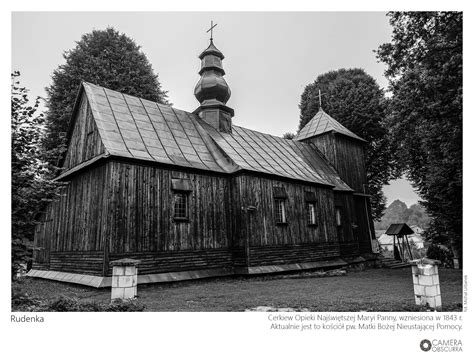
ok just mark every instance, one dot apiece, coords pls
pixel 212 26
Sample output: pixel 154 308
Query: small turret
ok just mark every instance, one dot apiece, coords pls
pixel 212 91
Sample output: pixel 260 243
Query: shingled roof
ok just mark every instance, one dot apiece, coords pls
pixel 323 123
pixel 136 128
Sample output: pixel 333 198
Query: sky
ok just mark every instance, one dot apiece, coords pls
pixel 269 57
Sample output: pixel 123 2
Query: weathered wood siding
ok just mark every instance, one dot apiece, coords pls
pixel 366 226
pixel 141 210
pixel 326 143
pixel 350 162
pixel 260 225
pixel 345 202
pixel 73 225
pixel 175 261
pixel 346 155
pixel 290 254
pixel 42 242
pixel 85 142
pixel 83 262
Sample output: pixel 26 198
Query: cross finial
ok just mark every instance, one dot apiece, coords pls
pixel 320 95
pixel 212 26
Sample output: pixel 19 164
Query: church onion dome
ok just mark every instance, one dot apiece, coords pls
pixel 211 50
pixel 212 85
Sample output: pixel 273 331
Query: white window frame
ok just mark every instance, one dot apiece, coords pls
pixel 338 216
pixel 311 213
pixel 280 211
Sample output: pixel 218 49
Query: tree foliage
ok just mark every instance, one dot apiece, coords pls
pixel 289 136
pixel 424 62
pixel 398 212
pixel 103 57
pixel 353 98
pixel 31 186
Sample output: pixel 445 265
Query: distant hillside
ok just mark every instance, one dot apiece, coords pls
pixel 398 212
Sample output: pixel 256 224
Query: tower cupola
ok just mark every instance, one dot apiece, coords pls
pixel 212 91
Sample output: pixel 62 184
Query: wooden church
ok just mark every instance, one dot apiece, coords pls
pixel 192 195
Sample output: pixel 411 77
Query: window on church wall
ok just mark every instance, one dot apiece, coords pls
pixel 280 197
pixel 310 201
pixel 181 189
pixel 338 217
pixel 280 213
pixel 311 214
pixel 181 205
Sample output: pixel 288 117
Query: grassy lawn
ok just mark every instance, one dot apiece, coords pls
pixel 368 290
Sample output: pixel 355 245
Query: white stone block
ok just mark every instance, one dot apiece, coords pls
pixel 118 293
pixel 430 300
pixel 130 270
pixel 115 281
pixel 435 279
pixel 429 270
pixel 437 301
pixel 129 293
pixel 431 290
pixel 118 270
pixel 415 280
pixel 419 289
pixel 418 299
pixel 125 281
pixel 425 280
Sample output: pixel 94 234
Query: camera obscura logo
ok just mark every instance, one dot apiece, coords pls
pixel 440 345
pixel 425 345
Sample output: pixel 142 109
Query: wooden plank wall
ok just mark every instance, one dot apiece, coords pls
pixel 260 225
pixel 350 162
pixel 174 261
pixel 120 209
pixel 140 217
pixel 346 155
pixel 74 222
pixel 79 262
pixel 85 142
pixel 289 254
pixel 366 229
pixel 346 202
pixel 42 245
pixel 327 145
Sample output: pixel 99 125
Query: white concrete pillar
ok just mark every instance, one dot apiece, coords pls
pixel 426 282
pixel 124 279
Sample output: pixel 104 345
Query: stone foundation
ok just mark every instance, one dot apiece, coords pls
pixel 426 283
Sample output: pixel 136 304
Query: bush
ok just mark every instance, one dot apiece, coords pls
pixel 22 302
pixel 441 253
pixel 69 304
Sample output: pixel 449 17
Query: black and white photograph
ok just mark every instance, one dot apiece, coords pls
pixel 302 168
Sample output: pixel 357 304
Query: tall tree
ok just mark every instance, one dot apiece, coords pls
pixel 425 64
pixel 31 186
pixel 354 98
pixel 103 57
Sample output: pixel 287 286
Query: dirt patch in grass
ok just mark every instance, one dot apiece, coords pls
pixel 368 290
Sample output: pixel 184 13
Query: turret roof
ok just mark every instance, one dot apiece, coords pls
pixel 323 123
